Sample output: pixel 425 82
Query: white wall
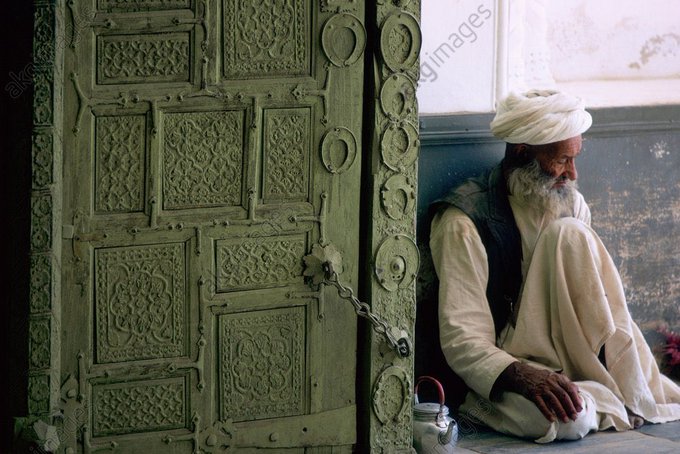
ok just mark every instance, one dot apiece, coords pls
pixel 456 60
pixel 612 53
pixel 626 39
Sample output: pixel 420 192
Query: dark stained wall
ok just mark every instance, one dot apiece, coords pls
pixel 629 173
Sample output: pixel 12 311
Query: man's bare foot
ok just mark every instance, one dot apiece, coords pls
pixel 635 420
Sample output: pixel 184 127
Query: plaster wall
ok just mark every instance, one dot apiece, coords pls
pixel 456 58
pixel 612 53
pixel 614 40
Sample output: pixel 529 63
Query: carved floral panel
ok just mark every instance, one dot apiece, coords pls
pixel 286 154
pixel 41 280
pixel 41 222
pixel 202 159
pixel 262 370
pixel 122 408
pixel 142 5
pixel 38 394
pixel 147 58
pixel 42 159
pixel 265 38
pixel 119 163
pixel 259 262
pixel 43 102
pixel 339 5
pixel 39 336
pixel 141 302
pixel 43 36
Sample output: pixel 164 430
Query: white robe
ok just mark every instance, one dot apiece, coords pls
pixel 571 304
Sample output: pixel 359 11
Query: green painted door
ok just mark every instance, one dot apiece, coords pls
pixel 210 144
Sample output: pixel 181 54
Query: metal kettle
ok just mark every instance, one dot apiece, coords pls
pixel 434 431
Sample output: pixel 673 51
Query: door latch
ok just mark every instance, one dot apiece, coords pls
pixel 323 266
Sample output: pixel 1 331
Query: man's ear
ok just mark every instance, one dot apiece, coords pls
pixel 522 150
pixel 517 154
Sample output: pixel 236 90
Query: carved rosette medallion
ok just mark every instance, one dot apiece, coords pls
pixel 42 159
pixel 39 337
pixel 140 302
pixel 396 262
pixel 400 41
pixel 398 197
pixel 38 394
pixel 262 368
pixel 338 150
pixel 41 223
pixel 41 280
pixel 391 394
pixel 42 98
pixel 399 146
pixel 343 39
pixel 398 97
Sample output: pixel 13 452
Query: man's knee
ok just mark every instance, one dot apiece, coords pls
pixel 568 225
pixel 528 421
pixel 567 232
pixel 586 422
pixel 518 416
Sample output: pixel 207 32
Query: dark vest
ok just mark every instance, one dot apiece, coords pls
pixel 485 201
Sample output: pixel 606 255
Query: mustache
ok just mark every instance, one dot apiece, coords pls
pixel 532 180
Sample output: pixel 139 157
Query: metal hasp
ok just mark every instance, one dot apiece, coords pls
pixel 323 266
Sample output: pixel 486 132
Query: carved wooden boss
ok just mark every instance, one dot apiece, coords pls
pixel 187 155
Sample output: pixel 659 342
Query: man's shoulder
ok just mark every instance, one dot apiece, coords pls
pixel 472 186
pixel 465 194
pixel 452 220
pixel 453 215
pixel 581 208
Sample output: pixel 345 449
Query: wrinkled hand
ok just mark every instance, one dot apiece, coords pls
pixel 553 393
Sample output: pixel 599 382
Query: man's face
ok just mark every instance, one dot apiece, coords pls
pixel 548 178
pixel 558 159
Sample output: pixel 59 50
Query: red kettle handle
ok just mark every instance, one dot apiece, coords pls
pixel 440 388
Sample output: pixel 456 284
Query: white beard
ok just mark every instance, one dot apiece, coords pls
pixel 533 185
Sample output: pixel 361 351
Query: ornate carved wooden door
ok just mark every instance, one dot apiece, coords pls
pixel 210 145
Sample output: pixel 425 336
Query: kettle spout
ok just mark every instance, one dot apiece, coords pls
pixel 445 437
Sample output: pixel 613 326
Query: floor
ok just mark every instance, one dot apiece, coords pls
pixel 650 439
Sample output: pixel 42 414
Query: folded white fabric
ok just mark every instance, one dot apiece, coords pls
pixel 538 117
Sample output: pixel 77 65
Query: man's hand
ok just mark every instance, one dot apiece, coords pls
pixel 553 393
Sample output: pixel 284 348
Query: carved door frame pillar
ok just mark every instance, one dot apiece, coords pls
pixel 391 138
pixel 44 373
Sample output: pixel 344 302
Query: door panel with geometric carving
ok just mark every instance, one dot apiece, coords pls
pixel 213 143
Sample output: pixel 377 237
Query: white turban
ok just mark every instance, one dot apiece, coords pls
pixel 538 117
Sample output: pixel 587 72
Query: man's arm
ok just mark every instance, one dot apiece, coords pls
pixel 467 334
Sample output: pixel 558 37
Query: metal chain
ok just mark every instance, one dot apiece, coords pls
pixel 396 338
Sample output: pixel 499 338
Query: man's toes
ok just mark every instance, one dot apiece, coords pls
pixel 636 421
